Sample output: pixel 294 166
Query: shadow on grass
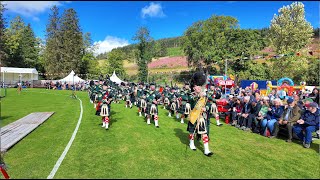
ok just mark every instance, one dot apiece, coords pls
pixel 4 117
pixel 184 138
pixel 295 139
pixel 112 120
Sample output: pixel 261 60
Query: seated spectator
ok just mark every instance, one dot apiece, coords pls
pixel 308 122
pixel 229 106
pixel 236 111
pixel 244 113
pixel 262 114
pixel 251 119
pixel 273 115
pixel 290 116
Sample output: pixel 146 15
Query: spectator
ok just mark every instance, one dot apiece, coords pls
pixel 236 111
pixel 290 116
pixel 262 114
pixel 245 112
pixel 273 115
pixel 314 95
pixel 229 106
pixel 309 122
pixel 254 111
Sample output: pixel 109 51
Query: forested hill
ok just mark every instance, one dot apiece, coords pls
pixel 161 47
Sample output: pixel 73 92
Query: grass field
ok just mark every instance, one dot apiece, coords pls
pixel 132 149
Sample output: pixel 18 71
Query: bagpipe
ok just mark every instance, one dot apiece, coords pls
pixel 196 112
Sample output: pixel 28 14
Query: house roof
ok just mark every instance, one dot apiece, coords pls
pixel 19 70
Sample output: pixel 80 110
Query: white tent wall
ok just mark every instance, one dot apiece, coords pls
pixel 10 76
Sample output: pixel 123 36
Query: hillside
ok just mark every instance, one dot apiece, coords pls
pixel 177 62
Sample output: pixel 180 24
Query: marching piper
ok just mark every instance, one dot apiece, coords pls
pixel 198 117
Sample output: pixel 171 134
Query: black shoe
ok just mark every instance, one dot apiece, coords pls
pixel 157 126
pixel 209 154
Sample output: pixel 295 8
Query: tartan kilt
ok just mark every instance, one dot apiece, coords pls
pixel 149 108
pixel 191 127
pixel 132 99
pixel 92 96
pixel 182 108
pixel 169 106
pixel 138 102
pixel 99 110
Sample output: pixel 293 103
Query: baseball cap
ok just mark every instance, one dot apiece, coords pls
pixel 290 100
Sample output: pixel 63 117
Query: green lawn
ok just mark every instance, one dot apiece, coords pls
pixel 132 149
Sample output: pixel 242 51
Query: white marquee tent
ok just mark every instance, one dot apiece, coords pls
pixel 114 78
pixel 69 78
pixel 11 75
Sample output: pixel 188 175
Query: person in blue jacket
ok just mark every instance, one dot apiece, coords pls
pixel 309 122
pixel 273 115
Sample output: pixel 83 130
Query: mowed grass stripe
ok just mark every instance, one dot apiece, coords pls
pixel 132 149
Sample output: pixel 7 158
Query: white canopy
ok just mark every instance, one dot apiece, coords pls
pixel 69 78
pixel 114 78
pixel 12 75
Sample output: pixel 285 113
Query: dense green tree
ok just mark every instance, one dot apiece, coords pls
pixel 115 63
pixel 205 42
pixel 289 30
pixel 88 62
pixel 52 54
pixel 3 54
pixel 30 47
pixel 144 53
pixel 72 41
pixel 14 36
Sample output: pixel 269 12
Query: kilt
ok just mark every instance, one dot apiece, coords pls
pixel 92 96
pixel 182 108
pixel 99 110
pixel 149 108
pixel 191 127
pixel 132 99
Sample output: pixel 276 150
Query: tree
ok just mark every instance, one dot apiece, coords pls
pixel 144 52
pixel 205 42
pixel 52 53
pixel 72 41
pixel 3 53
pixel 14 36
pixel 115 63
pixel 289 31
pixel 30 47
pixel 88 62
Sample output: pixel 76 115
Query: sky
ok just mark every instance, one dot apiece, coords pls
pixel 114 23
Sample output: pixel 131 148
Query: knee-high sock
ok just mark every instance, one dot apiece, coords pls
pixel 205 140
pixel 106 120
pixel 156 123
pixel 217 119
pixel 148 119
pixel 191 144
pixel 103 123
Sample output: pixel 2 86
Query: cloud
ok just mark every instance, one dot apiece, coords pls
pixel 153 10
pixel 30 9
pixel 109 43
